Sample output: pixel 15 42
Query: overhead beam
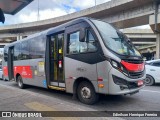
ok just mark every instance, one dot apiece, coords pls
pixel 13 6
pixel 122 13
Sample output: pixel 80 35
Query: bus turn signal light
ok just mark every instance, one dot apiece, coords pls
pixel 100 85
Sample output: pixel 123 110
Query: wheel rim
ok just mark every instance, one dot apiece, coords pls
pixel 147 80
pixel 19 82
pixel 86 92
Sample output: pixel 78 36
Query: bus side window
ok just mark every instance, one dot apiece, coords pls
pixel 75 46
pixel 25 50
pixel 91 42
pixel 5 54
pixel 37 48
pixel 74 42
pixel 17 53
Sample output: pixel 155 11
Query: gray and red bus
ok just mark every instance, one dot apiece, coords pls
pixel 85 57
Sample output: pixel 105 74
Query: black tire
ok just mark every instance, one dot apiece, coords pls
pixel 20 82
pixel 2 77
pixel 86 93
pixel 149 80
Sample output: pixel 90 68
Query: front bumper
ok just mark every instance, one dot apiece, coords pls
pixel 128 86
pixel 127 91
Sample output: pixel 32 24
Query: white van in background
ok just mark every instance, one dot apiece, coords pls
pixel 152 72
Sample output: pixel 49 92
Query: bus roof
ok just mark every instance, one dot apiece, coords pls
pixel 51 30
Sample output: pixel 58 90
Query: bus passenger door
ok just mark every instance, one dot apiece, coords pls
pixel 10 63
pixel 56 60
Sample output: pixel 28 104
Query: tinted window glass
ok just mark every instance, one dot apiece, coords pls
pixel 74 42
pixel 116 40
pixel 53 47
pixel 17 51
pixel 24 50
pixel 147 63
pixel 5 54
pixel 37 48
pixel 156 64
pixel 60 45
pixel 75 46
pixel 91 44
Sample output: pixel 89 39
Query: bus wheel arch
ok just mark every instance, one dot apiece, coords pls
pixel 83 84
pixel 17 76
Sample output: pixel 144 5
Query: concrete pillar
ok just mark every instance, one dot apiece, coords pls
pixel 19 37
pixel 152 25
pixel 158 46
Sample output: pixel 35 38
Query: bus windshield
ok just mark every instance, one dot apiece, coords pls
pixel 115 40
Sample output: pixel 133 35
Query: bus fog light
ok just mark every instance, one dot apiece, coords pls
pixel 122 87
pixel 119 81
pixel 140 83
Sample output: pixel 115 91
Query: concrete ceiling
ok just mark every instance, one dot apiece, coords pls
pixel 13 6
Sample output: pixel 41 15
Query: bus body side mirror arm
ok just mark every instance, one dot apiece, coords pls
pixel 82 35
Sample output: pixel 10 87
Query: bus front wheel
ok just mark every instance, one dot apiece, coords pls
pixel 20 82
pixel 86 93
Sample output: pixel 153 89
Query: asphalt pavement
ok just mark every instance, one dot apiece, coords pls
pixel 38 99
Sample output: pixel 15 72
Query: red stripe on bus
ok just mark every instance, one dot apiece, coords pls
pixel 5 71
pixel 133 67
pixel 24 71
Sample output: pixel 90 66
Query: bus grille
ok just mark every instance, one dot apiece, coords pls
pixel 136 75
pixel 132 85
pixel 121 82
pixel 133 61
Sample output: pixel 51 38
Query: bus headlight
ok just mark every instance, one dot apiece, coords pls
pixel 114 64
pixel 119 67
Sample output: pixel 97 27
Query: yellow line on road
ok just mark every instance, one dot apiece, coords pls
pixel 42 107
pixel 38 106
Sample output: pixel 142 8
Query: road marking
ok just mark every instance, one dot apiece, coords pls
pixel 38 106
pixel 150 91
pixel 41 107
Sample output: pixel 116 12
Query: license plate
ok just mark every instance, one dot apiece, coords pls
pixel 140 83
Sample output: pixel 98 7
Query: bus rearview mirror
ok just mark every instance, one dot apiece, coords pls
pixel 82 35
pixel 2 18
pixel 5 57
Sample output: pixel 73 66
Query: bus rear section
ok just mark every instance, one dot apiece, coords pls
pixel 24 62
pixel 85 57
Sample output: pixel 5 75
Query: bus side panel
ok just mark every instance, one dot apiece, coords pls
pixel 22 68
pixel 75 69
pixel 31 71
pixel 38 71
pixel 5 70
pixel 103 69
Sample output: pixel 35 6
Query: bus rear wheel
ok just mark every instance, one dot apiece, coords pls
pixel 86 93
pixel 20 82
